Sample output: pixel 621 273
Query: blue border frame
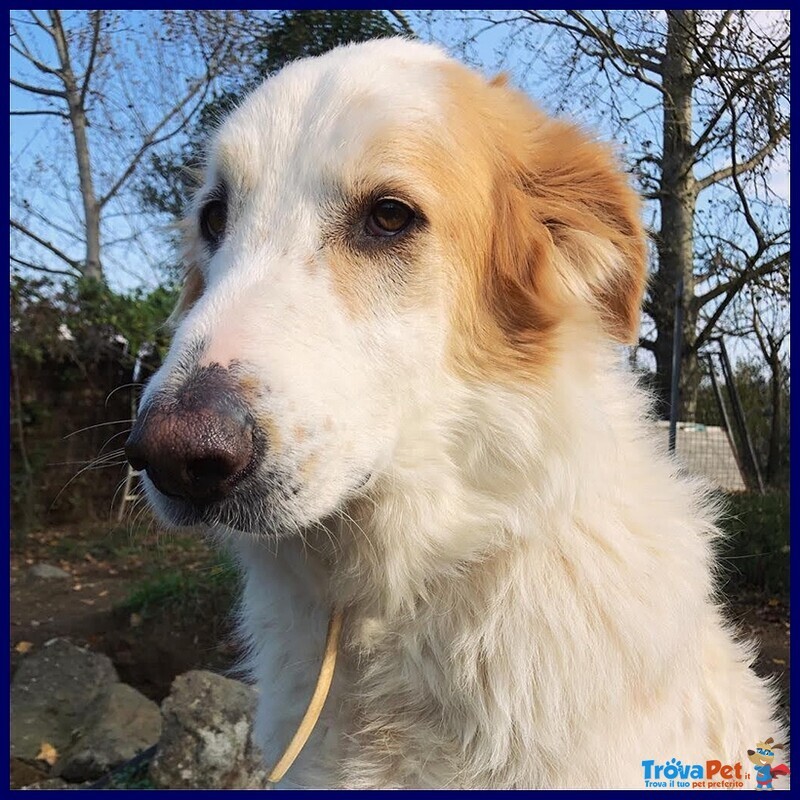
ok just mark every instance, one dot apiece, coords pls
pixel 794 445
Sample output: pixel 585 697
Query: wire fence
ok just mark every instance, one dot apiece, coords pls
pixel 707 451
pixel 717 445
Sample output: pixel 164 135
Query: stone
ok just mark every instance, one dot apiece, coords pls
pixel 120 723
pixel 206 740
pixel 52 783
pixel 48 572
pixel 50 694
pixel 22 774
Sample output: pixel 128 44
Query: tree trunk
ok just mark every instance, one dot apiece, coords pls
pixel 775 439
pixel 28 489
pixel 678 198
pixel 92 267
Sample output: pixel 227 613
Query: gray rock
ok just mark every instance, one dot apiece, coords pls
pixel 52 783
pixel 48 572
pixel 206 740
pixel 23 773
pixel 50 693
pixel 119 724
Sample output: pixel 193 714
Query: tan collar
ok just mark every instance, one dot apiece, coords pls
pixel 315 705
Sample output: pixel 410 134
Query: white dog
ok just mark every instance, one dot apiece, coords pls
pixel 395 388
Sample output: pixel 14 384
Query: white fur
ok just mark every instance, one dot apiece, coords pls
pixel 526 578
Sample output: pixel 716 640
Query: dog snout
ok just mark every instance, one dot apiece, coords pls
pixel 197 443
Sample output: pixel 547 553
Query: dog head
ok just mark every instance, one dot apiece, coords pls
pixel 374 224
pixel 764 753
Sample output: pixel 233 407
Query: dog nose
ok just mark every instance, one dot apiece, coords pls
pixel 198 443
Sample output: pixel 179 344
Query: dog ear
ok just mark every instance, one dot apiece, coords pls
pixel 192 288
pixel 769 741
pixel 568 229
pixel 193 283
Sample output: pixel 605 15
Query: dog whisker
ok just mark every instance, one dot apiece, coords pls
pixel 99 425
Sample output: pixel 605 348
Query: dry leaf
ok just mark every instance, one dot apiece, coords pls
pixel 773 601
pixel 24 647
pixel 136 620
pixel 103 593
pixel 780 661
pixel 47 753
pixel 77 587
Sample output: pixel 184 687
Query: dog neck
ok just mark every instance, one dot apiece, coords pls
pixel 482 471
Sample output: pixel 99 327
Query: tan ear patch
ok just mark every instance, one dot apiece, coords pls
pixel 192 289
pixel 193 284
pixel 562 235
pixel 501 79
pixel 582 196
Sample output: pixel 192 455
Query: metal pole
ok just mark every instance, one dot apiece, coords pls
pixel 677 341
pixel 738 413
pixel 726 420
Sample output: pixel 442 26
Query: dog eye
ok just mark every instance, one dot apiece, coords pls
pixel 213 219
pixel 388 217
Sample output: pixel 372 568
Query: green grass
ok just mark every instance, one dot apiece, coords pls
pixel 113 544
pixel 184 590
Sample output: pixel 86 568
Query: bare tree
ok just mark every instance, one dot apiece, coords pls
pixel 771 341
pixel 121 84
pixel 700 102
pixel 759 315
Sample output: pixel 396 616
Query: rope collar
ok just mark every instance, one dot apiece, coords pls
pixel 317 702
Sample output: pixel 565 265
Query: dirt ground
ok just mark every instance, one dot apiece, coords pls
pixel 766 620
pixel 149 649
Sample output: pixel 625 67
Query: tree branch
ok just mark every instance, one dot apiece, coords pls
pixel 745 166
pixel 38 89
pixel 39 112
pixel 632 58
pixel 44 243
pixel 150 139
pixel 25 52
pixel 39 268
pixel 732 94
pixel 719 28
pixel 43 25
pixel 45 220
pixel 646 344
pixel 761 244
pixel 96 25
pixel 401 18
pixel 611 49
pixel 762 343
pixel 745 276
